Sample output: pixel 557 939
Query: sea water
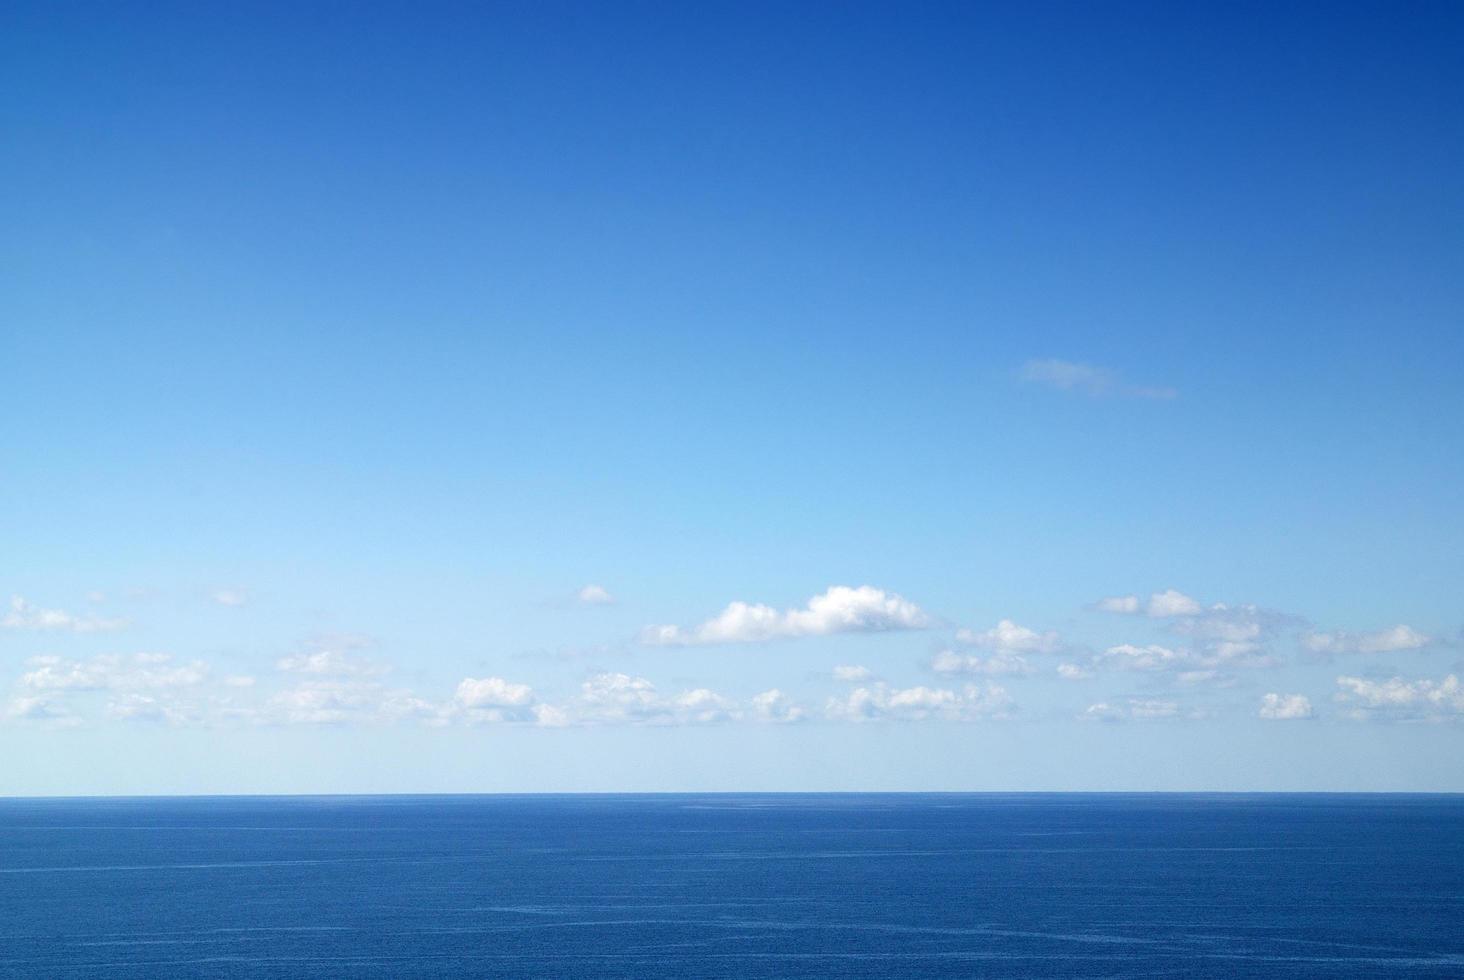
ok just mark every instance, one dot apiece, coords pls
pixel 981 885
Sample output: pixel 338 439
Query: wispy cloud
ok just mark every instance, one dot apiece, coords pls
pixel 1390 640
pixel 1088 379
pixel 25 615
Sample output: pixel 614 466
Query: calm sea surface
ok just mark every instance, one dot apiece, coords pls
pixel 755 886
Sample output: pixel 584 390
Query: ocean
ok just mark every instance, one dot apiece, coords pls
pixel 856 885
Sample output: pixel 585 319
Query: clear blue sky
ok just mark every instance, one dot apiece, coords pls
pixel 398 397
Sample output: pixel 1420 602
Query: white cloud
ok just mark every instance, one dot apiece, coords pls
pixel 1135 709
pixel 615 698
pixel 1285 707
pixel 852 672
pixel 40 710
pixel 997 665
pixel 880 702
pixel 1398 698
pixel 230 597
pixel 595 595
pixel 1391 640
pixel 493 692
pixel 1171 602
pixel 839 610
pixel 774 705
pixel 1086 379
pixel 24 615
pixel 1007 637
pixel 330 662
pixel 111 672
pixel 493 699
pixel 1073 672
pixel 1152 656
pixel 1127 604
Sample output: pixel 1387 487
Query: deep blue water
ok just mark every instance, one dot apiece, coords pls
pixel 707 886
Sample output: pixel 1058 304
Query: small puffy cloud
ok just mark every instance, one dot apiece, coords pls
pixel 852 672
pixel 595 595
pixel 1086 379
pixel 882 702
pixel 1391 640
pixel 1007 637
pixel 775 706
pixel 1285 707
pixel 1073 672
pixel 841 609
pixel 1126 604
pixel 238 680
pixel 25 615
pixel 230 597
pixel 492 692
pixel 493 699
pixel 997 665
pixel 1402 699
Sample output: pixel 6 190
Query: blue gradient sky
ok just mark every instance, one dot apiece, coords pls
pixel 373 335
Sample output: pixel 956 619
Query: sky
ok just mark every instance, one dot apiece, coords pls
pixel 653 397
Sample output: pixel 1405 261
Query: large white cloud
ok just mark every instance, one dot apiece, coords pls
pixel 1399 698
pixel 841 609
pixel 1390 640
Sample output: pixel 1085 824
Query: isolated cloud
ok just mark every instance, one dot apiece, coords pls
pixel 1285 707
pixel 882 702
pixel 839 610
pixel 852 672
pixel 1401 699
pixel 1391 640
pixel 1087 379
pixel 230 597
pixel 1073 672
pixel 595 595
pixel 24 615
